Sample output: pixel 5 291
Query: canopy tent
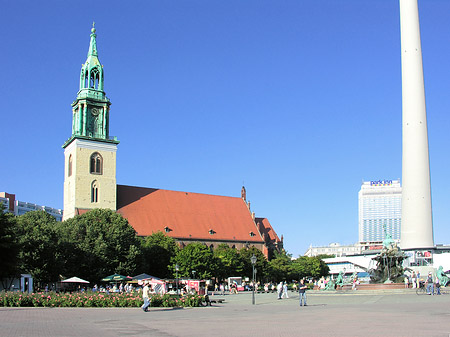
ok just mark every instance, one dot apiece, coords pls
pixel 75 280
pixel 116 278
pixel 158 285
pixel 144 276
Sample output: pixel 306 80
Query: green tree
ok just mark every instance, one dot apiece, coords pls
pixel 39 255
pixel 195 257
pixel 229 262
pixel 324 256
pixel 281 266
pixel 158 250
pixel 9 249
pixel 306 266
pixel 262 266
pixel 99 243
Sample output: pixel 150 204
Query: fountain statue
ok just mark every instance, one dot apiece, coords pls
pixel 440 274
pixel 389 262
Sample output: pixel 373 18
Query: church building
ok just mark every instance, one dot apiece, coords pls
pixel 90 182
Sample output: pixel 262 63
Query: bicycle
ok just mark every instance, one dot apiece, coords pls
pixel 422 290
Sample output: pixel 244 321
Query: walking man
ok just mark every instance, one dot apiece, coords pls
pixel 285 290
pixel 280 290
pixel 302 292
pixel 145 291
pixel 430 290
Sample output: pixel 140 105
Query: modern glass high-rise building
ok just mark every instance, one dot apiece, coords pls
pixel 380 210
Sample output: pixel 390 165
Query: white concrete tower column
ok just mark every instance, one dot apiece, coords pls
pixel 417 225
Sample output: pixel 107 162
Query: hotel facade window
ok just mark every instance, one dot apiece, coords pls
pixel 380 210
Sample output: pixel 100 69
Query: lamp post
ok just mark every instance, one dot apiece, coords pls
pixel 177 267
pixel 253 261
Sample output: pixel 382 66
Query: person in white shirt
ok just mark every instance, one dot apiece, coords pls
pixel 145 292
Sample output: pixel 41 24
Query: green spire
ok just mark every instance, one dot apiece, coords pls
pixel 91 77
pixel 90 110
pixel 93 45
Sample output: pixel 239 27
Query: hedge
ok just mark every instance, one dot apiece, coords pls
pixel 95 300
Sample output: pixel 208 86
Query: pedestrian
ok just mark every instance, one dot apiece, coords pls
pixel 302 292
pixel 430 288
pixel 437 287
pixel 285 290
pixel 280 290
pixel 145 292
pixel 406 282
pixel 413 280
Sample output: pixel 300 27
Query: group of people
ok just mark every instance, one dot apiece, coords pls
pixel 433 286
pixel 282 291
pixel 127 288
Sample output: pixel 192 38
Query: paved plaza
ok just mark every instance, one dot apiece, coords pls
pixel 400 313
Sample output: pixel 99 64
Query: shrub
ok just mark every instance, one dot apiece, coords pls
pixel 95 299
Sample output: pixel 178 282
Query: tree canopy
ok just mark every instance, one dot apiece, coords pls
pixel 37 237
pixel 158 250
pixel 99 243
pixel 196 257
pixel 9 248
pixel 261 266
pixel 281 267
pixel 229 262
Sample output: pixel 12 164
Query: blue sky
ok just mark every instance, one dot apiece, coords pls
pixel 298 99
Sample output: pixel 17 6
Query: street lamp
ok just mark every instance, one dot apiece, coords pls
pixel 177 267
pixel 253 261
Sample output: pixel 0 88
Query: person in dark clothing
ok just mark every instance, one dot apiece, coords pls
pixel 302 292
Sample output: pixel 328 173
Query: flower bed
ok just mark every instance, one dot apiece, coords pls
pixel 94 300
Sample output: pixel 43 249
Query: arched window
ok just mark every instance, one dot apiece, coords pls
pixel 69 166
pixel 94 78
pixel 96 166
pixel 94 191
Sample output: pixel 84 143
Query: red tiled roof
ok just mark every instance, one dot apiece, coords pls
pixel 80 211
pixel 186 215
pixel 266 228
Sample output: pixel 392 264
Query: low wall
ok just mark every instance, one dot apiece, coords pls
pixel 373 286
pixel 370 286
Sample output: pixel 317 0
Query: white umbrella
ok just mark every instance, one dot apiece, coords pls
pixel 75 280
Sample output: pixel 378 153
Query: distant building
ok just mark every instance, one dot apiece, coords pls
pixel 334 249
pixel 380 210
pixel 21 207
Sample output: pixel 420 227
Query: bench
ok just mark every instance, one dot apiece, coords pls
pixel 217 300
pixel 209 300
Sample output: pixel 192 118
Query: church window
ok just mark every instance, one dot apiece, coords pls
pixel 96 166
pixel 69 164
pixel 94 192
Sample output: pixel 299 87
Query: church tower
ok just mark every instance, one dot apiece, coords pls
pixel 90 153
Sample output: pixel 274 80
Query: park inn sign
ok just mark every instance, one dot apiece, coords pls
pixel 381 183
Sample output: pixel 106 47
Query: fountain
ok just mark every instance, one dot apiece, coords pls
pixel 389 263
pixel 388 273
